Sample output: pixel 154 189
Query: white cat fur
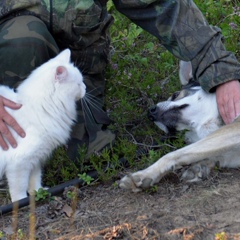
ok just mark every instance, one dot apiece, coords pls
pixel 48 98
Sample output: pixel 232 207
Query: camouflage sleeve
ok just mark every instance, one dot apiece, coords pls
pixel 182 29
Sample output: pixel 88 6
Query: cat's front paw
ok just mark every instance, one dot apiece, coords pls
pixel 137 181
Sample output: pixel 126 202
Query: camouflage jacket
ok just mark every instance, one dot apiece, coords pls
pixel 178 24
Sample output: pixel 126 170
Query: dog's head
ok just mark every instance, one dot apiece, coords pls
pixel 187 109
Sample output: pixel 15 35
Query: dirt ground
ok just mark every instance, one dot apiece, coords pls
pixel 206 210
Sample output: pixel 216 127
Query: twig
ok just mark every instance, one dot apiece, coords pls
pixel 146 145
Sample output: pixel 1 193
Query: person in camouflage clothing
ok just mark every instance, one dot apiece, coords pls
pixel 31 32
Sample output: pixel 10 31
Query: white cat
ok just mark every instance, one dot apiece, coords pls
pixel 48 98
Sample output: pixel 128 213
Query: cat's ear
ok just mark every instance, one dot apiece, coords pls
pixel 64 56
pixel 61 74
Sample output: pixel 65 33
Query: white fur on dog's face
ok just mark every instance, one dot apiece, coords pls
pixel 189 109
pixel 186 111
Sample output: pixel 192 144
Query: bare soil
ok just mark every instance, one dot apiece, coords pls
pixel 207 210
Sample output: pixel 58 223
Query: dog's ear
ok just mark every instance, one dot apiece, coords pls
pixel 185 72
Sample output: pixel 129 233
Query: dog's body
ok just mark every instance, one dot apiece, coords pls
pixel 210 141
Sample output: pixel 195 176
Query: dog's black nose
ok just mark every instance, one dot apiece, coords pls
pixel 152 113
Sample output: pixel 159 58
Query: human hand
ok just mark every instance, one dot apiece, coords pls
pixel 228 100
pixel 6 121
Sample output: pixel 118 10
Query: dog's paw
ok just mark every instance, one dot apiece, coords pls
pixel 136 182
pixel 196 173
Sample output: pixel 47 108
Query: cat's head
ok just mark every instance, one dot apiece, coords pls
pixel 68 77
pixel 58 78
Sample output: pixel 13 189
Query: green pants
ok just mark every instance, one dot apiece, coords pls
pixel 26 43
pixel 178 24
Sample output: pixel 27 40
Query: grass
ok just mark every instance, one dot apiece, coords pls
pixel 141 72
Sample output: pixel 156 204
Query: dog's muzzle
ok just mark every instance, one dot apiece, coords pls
pixel 152 113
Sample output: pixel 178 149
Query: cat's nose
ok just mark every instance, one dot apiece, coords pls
pixel 152 113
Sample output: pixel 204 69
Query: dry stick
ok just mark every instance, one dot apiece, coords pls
pixel 15 219
pixel 32 218
pixel 146 145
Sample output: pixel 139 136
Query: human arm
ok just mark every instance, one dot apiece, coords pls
pixel 183 30
pixel 6 121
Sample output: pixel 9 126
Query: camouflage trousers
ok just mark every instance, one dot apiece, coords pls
pixel 26 43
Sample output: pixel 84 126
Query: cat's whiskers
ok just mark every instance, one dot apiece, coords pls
pixel 87 102
pixel 87 113
pixel 93 101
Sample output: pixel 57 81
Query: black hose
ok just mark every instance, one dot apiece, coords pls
pixel 53 191
pixel 56 189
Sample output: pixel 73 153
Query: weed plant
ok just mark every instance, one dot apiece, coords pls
pixel 141 72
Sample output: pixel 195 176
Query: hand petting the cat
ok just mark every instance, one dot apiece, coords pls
pixel 228 100
pixel 6 121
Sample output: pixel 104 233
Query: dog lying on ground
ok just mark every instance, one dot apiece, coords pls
pixel 211 142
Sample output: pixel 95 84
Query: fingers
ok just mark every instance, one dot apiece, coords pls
pixel 6 121
pixel 228 100
pixel 4 131
pixel 3 144
pixel 8 103
pixel 227 110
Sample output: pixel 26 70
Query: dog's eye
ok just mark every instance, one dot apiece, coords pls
pixel 175 95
